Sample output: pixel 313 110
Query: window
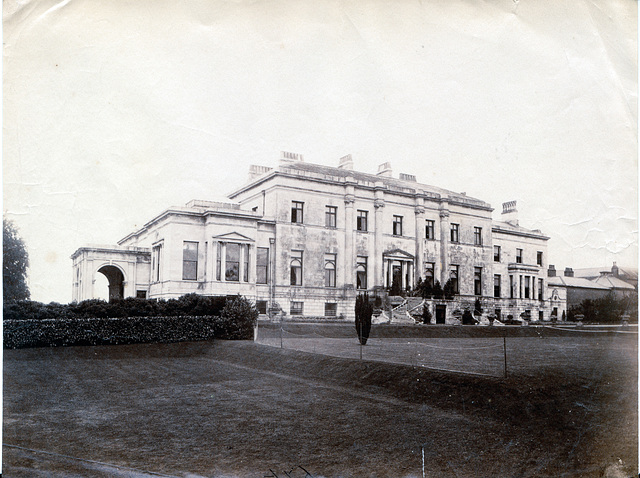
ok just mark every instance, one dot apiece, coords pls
pixel 296 267
pixel 245 256
pixel 330 216
pixel 362 221
pixel 539 258
pixel 453 276
pixel 330 309
pixel 141 294
pixel 232 262
pixel 477 280
pixel 477 236
pixel 219 262
pixel 511 287
pixel 261 305
pixel 297 210
pixel 540 315
pixel 527 285
pixel 540 289
pixel 189 260
pixel 496 253
pixel 262 265
pixel 329 270
pixel 429 268
pixel 496 285
pixel 361 273
pixel 155 267
pixel 397 225
pixel 429 232
pixel 455 232
pixel 296 308
pixel 519 256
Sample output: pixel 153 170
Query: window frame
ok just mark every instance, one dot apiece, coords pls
pixel 519 254
pixel 497 286
pixel 454 270
pixel 296 257
pixel 229 246
pixel 430 230
pixel 454 236
pixel 362 221
pixel 477 281
pixel 331 216
pixel 397 225
pixel 327 310
pixel 477 236
pixel 186 262
pixel 429 267
pixel 539 258
pixel 330 260
pixel 297 212
pixel 496 253
pixel 260 267
pixel 294 309
pixel 361 262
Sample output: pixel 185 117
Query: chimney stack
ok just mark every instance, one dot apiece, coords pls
pixel 255 171
pixel 552 271
pixel 614 270
pixel 510 213
pixel 346 162
pixel 385 170
pixel 288 158
pixel 568 272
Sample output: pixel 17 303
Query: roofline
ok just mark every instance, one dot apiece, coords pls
pixel 417 192
pixel 533 235
pixel 186 212
pixel 128 250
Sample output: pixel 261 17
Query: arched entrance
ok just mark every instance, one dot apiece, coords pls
pixel 116 281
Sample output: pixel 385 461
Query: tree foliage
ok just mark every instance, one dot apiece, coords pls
pixel 15 261
pixel 606 310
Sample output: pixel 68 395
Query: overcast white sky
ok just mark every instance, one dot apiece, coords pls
pixel 116 110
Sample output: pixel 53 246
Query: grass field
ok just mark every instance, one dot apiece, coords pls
pixel 245 409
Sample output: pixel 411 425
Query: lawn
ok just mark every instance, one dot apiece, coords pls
pixel 244 409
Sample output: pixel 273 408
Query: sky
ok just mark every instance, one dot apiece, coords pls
pixel 116 110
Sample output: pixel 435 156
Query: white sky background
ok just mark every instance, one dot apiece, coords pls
pixel 116 110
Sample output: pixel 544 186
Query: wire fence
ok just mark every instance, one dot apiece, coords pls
pixel 505 352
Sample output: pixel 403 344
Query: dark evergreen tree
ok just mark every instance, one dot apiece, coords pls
pixel 15 261
pixel 426 314
pixel 364 311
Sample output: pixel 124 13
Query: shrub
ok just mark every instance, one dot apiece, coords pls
pixel 467 318
pixel 426 314
pixel 364 311
pixel 448 290
pixel 238 319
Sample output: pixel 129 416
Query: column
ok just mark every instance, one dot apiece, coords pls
pixel 419 254
pixel 349 256
pixel 378 204
pixel 444 244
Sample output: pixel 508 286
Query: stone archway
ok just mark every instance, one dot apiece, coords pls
pixel 116 281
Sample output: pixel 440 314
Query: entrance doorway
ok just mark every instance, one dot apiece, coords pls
pixel 116 281
pixel 441 314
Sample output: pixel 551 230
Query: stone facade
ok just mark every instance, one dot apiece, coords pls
pixel 307 239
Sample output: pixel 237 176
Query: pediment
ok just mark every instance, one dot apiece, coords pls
pixel 232 237
pixel 398 253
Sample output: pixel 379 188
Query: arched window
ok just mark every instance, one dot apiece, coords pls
pixel 296 267
pixel 361 273
pixel 329 270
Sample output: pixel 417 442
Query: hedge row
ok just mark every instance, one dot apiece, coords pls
pixel 236 321
pixel 189 304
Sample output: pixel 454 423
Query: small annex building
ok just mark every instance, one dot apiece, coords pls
pixel 307 239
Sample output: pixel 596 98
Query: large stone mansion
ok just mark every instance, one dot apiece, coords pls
pixel 308 238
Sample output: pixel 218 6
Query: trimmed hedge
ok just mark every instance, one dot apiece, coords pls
pixel 236 321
